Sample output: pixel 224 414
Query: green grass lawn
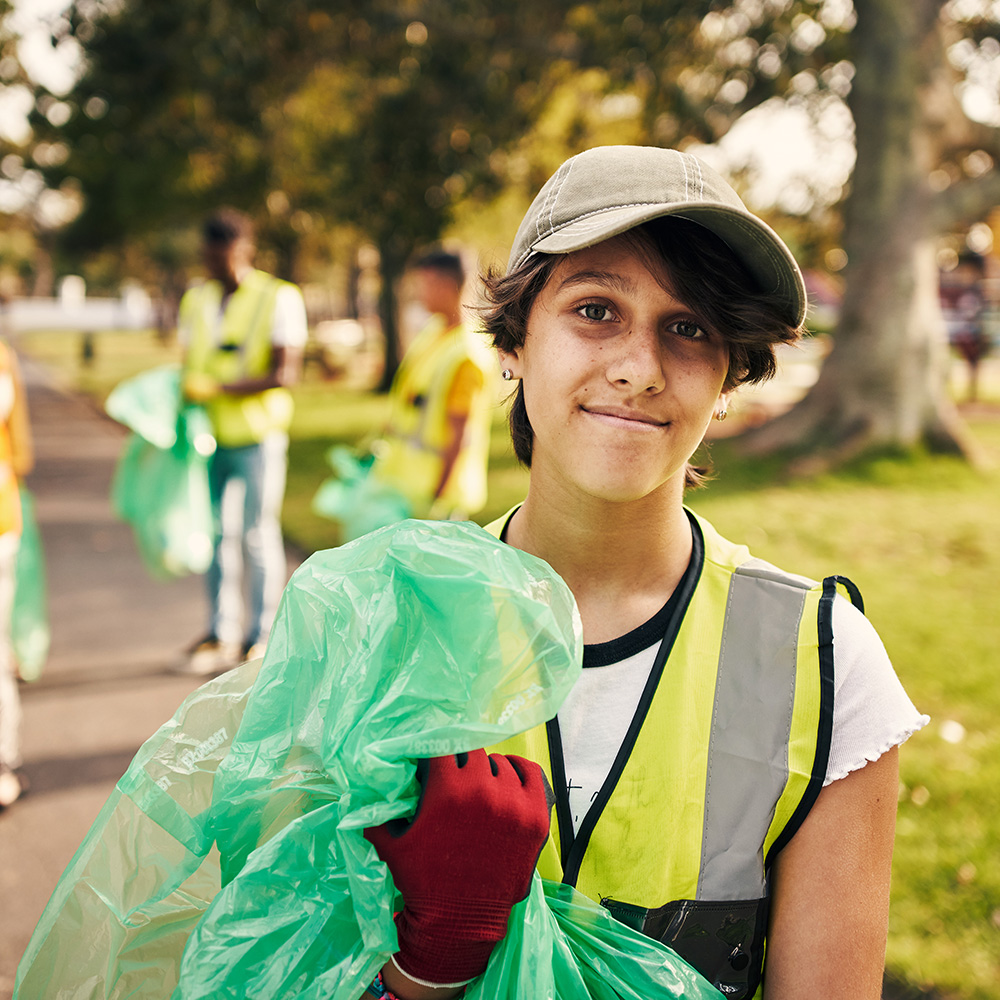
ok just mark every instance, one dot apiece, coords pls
pixel 919 535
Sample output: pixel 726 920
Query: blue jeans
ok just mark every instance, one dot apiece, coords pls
pixel 251 477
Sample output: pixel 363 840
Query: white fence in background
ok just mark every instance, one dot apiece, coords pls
pixel 73 310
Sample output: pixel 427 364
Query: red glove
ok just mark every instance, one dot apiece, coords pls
pixel 463 860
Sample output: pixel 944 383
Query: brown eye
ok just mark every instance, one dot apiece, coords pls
pixel 595 311
pixel 688 329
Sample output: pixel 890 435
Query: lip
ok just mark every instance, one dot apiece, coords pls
pixel 623 417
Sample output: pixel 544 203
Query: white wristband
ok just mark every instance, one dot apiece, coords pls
pixel 424 982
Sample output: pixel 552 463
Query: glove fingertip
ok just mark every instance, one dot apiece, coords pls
pixel 525 769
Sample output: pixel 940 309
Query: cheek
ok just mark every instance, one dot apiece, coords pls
pixel 697 375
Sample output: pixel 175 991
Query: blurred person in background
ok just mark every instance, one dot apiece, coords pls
pixel 435 449
pixel 16 460
pixel 244 332
pixel 964 306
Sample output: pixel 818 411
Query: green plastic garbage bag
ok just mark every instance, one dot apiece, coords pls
pixel 357 499
pixel 160 485
pixel 30 634
pixel 230 860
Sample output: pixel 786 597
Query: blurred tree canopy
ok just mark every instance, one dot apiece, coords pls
pixel 376 115
pixel 391 118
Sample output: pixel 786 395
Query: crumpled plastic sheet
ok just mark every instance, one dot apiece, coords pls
pixel 230 859
pixel 30 635
pixel 160 485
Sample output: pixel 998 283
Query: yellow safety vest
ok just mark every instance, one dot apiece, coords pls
pixel 241 349
pixel 723 760
pixel 14 442
pixel 410 457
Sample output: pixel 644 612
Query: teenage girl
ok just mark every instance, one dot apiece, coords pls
pixel 725 771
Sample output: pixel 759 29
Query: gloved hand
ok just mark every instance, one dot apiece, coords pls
pixel 199 387
pixel 463 860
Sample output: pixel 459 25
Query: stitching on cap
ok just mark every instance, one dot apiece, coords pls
pixel 631 204
pixel 701 178
pixel 552 208
pixel 538 218
pixel 548 195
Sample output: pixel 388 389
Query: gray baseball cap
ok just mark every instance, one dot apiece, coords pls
pixel 607 190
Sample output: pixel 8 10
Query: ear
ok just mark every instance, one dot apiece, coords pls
pixel 722 405
pixel 510 360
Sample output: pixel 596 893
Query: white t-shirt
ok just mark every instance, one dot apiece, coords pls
pixel 288 325
pixel 6 395
pixel 871 711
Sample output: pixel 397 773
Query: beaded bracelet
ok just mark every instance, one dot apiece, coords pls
pixel 377 988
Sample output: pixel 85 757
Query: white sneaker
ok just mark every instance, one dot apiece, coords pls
pixel 10 788
pixel 254 651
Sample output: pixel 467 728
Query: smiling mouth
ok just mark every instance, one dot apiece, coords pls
pixel 626 418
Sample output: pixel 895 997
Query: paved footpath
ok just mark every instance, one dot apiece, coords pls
pixel 107 684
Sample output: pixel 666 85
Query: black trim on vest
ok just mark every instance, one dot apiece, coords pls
pixel 564 816
pixel 852 589
pixel 824 633
pixel 503 531
pixel 723 939
pixel 574 848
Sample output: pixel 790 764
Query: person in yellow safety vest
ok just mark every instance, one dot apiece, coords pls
pixel 16 460
pixel 244 332
pixel 726 769
pixel 435 448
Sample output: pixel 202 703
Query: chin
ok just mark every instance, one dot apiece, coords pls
pixel 628 480
pixel 623 492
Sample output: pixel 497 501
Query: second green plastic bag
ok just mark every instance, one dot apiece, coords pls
pixel 161 481
pixel 230 860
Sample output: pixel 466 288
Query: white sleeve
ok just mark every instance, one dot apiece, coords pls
pixel 871 711
pixel 288 326
pixel 6 396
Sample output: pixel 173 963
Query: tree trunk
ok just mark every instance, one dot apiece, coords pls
pixel 884 384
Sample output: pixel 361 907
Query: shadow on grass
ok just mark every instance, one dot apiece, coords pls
pixel 735 472
pixel 894 988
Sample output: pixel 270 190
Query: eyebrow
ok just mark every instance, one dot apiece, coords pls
pixel 607 278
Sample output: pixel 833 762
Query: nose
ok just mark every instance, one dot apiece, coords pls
pixel 637 361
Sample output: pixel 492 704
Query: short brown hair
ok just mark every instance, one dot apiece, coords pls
pixel 702 272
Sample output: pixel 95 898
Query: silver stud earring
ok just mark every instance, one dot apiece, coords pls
pixel 722 414
pixel 506 374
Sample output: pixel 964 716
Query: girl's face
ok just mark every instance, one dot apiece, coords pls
pixel 620 378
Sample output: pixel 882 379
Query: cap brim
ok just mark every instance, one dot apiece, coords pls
pixel 754 242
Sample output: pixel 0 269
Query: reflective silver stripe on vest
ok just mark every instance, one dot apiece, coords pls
pixel 751 724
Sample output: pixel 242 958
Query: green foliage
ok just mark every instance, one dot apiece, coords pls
pixel 382 116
